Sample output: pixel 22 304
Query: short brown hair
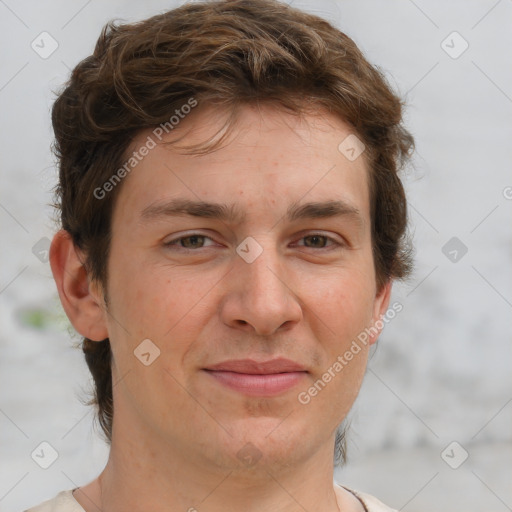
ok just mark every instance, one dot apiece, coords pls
pixel 229 53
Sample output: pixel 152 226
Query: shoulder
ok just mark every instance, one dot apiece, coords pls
pixel 371 503
pixel 63 502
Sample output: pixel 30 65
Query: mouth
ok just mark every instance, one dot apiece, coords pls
pixel 253 378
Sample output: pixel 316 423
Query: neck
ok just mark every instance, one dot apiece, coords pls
pixel 139 477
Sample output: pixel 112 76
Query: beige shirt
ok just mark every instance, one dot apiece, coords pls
pixel 65 502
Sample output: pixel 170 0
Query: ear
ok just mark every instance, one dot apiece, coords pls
pixel 82 302
pixel 380 306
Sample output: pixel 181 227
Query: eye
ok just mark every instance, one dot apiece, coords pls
pixel 319 241
pixel 189 242
pixel 196 241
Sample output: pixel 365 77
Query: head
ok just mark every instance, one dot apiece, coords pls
pixel 248 102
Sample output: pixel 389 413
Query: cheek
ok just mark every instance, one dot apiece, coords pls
pixel 143 295
pixel 346 310
pixel 344 303
pixel 151 306
pixel 158 303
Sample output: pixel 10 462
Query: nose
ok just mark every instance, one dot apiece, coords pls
pixel 259 297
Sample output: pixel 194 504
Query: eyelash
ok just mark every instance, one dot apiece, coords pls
pixel 174 242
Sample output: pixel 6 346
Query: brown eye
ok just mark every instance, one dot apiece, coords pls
pixel 319 241
pixel 316 241
pixel 189 242
pixel 192 242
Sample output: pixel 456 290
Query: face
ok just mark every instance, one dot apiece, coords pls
pixel 246 311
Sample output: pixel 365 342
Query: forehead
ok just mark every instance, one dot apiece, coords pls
pixel 270 160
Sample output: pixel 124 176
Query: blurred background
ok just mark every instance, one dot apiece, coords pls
pixel 431 429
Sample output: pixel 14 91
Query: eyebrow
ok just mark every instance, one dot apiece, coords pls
pixel 233 214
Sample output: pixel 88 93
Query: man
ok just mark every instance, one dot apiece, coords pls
pixel 232 223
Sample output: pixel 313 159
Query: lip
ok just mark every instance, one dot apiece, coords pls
pixel 252 367
pixel 258 378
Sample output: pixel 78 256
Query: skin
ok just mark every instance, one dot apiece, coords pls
pixel 177 431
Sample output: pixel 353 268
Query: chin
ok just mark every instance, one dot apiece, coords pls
pixel 263 444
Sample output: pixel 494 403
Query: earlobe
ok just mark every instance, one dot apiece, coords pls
pixel 380 307
pixel 83 305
